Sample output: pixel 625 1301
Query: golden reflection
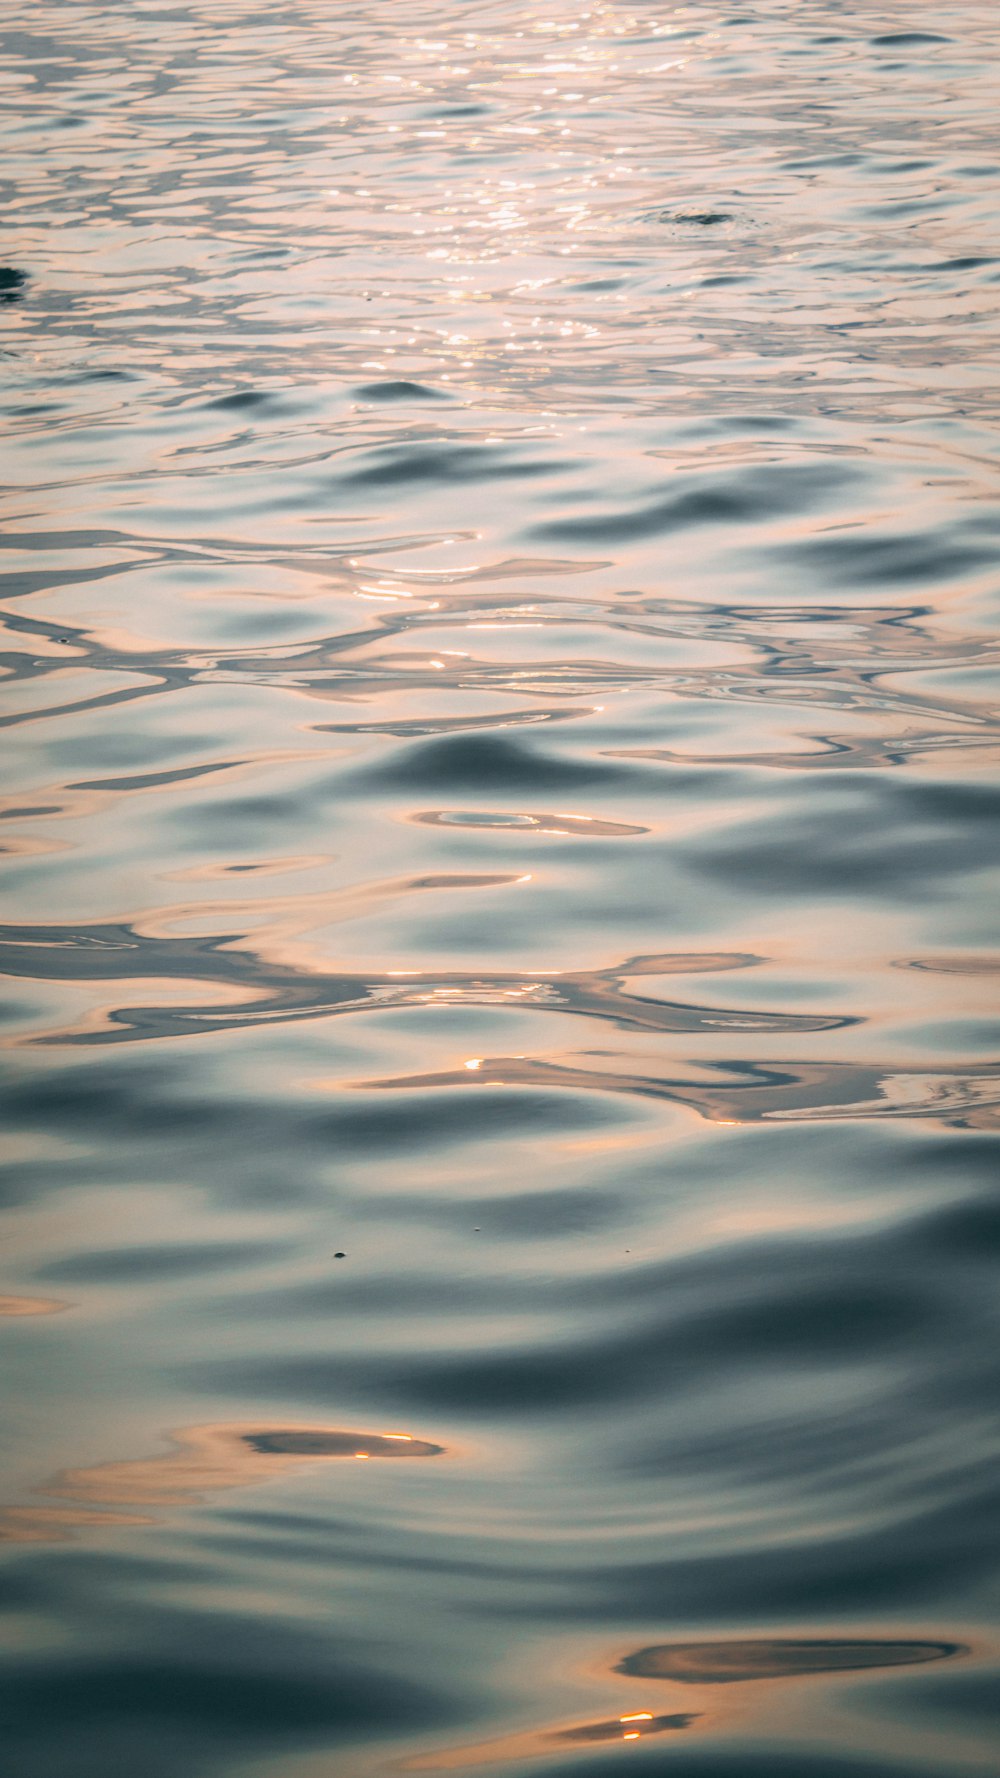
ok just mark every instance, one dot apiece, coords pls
pixel 53 1524
pixel 559 824
pixel 210 981
pixel 202 1460
pixel 698 1664
pixel 635 1726
pixel 971 964
pixel 728 1663
pixel 757 1092
pixel 31 1305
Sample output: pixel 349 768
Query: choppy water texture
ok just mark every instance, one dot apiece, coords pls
pixel 501 828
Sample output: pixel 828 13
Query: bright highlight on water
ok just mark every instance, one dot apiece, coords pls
pixel 499 829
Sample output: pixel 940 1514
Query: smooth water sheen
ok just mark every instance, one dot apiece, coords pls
pixel 501 824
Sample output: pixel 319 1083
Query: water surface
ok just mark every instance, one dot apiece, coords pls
pixel 501 828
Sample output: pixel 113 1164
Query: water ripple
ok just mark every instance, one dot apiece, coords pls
pixel 499 677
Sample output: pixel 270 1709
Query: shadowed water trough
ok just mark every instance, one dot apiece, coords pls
pixel 499 828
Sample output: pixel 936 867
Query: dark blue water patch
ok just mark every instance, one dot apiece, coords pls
pixel 34 410
pixel 868 839
pixel 820 1452
pixel 971 1160
pixel 134 1265
pixel 240 400
pixel 734 1761
pixel 246 1153
pixel 12 1011
pixel 968 1233
pixel 863 558
pixel 393 1295
pixel 13 283
pixel 446 462
pixel 434 1120
pixel 107 375
pixel 208 1681
pixel 918 1561
pixel 969 1698
pixel 751 495
pixel 904 39
pixel 969 262
pixel 491 763
pixel 237 1157
pixel 43 1579
pixel 857 1294
pixel 25 1182
pixel 400 390
pixel 813 1323
pixel 115 1100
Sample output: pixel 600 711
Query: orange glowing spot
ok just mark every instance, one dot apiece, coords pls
pixel 473 1064
pixel 633 1735
pixel 363 1456
pixel 638 1716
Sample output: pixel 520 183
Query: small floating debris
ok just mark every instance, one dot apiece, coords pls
pixel 727 1663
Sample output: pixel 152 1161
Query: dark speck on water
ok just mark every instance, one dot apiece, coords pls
pixel 499 687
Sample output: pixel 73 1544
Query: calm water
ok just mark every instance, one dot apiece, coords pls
pixel 501 1019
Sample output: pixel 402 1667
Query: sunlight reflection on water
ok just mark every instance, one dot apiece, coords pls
pixel 500 506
